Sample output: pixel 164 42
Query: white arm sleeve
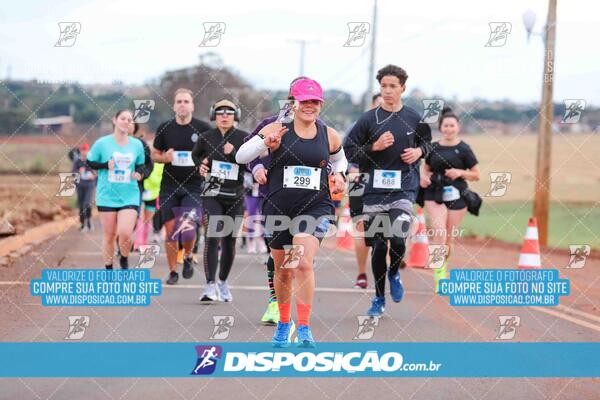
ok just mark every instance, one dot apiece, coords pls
pixel 250 150
pixel 338 161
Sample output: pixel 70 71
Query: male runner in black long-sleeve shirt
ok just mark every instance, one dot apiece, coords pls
pixel 384 143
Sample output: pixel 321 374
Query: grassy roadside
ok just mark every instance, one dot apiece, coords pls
pixel 507 221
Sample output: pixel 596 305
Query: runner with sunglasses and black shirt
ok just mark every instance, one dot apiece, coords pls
pixel 215 150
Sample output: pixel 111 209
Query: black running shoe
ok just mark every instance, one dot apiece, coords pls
pixel 108 266
pixel 173 278
pixel 188 267
pixel 124 262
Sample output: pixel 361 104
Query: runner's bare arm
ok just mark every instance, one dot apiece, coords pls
pixel 470 174
pixel 163 157
pixel 335 140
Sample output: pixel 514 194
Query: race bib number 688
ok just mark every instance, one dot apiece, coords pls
pixel 387 179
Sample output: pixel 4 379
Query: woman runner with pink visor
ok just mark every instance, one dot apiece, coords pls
pixel 298 191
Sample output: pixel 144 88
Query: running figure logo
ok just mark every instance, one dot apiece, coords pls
pixel 68 34
pixel 212 185
pixel 293 254
pixel 573 111
pixel 357 181
pixel 499 183
pixel 508 326
pixel 287 109
pixel 437 255
pixel 223 325
pixel 77 326
pixel 148 253
pixel 432 110
pixel 357 33
pixel 68 180
pixel 499 32
pixel 579 254
pixel 142 110
pixel 366 327
pixel 187 222
pixel 212 34
pixel 207 359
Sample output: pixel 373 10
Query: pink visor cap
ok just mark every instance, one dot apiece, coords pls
pixel 307 89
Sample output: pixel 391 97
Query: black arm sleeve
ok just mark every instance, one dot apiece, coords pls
pixel 423 138
pixel 97 165
pixel 198 151
pixel 146 168
pixel 141 169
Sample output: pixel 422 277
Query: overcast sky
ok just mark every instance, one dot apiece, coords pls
pixel 440 43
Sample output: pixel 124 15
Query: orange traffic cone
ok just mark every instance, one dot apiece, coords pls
pixel 344 237
pixel 530 252
pixel 419 250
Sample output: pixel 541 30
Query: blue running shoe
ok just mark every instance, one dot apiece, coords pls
pixel 377 307
pixel 283 334
pixel 396 288
pixel 305 337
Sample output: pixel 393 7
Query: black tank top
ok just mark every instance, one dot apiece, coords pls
pixel 295 151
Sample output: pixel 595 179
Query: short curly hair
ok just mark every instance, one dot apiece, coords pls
pixel 392 70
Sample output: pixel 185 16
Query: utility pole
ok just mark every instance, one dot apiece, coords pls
pixel 371 57
pixel 544 148
pixel 303 43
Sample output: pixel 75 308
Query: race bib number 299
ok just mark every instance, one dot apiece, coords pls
pixel 301 177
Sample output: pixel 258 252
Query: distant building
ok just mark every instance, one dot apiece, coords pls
pixel 61 125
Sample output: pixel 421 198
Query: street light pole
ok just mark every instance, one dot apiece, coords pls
pixel 303 43
pixel 367 99
pixel 544 148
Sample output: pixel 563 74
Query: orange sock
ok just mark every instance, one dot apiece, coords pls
pixel 285 312
pixel 303 311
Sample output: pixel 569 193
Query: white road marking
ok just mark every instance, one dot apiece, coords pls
pixel 566 317
pixel 570 310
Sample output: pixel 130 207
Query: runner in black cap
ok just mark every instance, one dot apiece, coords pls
pixel 216 150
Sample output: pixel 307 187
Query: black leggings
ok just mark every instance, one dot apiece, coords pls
pixel 270 261
pixel 270 273
pixel 84 202
pixel 397 249
pixel 213 207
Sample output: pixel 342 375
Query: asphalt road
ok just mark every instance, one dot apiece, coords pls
pixel 177 316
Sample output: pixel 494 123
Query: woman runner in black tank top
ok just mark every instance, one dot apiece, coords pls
pixel 298 189
pixel 299 158
pixel 443 177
